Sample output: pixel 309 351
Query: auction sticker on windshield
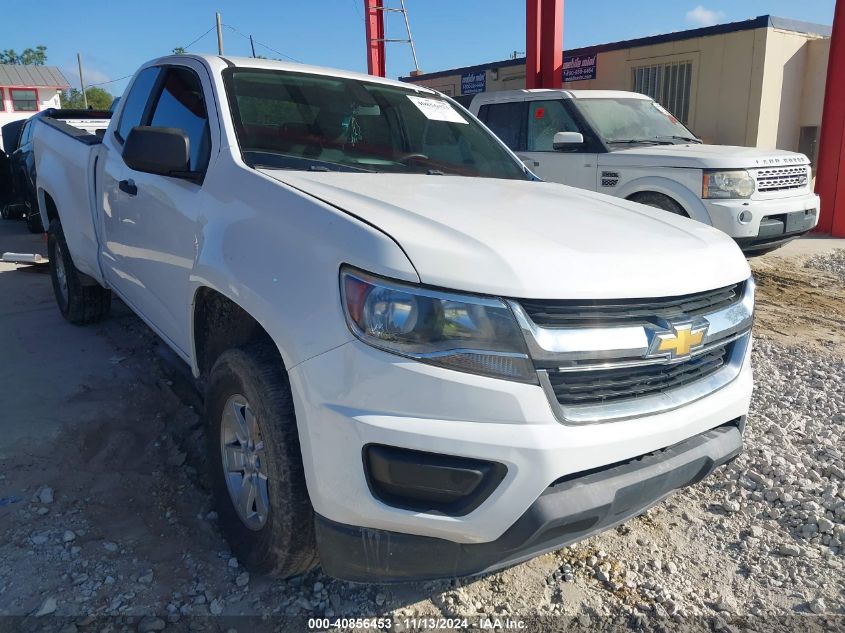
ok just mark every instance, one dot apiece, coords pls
pixel 437 109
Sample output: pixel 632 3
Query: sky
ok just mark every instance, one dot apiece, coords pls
pixel 114 36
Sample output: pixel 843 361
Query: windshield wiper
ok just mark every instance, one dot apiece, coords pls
pixel 633 141
pixel 688 139
pixel 279 160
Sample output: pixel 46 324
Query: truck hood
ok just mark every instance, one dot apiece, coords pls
pixel 701 156
pixel 530 239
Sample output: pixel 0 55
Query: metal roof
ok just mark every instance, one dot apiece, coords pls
pixel 760 22
pixel 30 76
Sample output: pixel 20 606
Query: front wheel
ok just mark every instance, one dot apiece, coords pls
pixel 80 299
pixel 256 463
pixel 659 201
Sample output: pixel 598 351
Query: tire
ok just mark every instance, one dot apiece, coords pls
pixel 12 211
pixel 4 212
pixel 33 222
pixel 659 201
pixel 251 384
pixel 80 299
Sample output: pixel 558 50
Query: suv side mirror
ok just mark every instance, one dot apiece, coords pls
pixel 565 140
pixel 158 150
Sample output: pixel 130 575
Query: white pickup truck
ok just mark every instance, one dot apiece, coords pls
pixel 625 144
pixel 418 360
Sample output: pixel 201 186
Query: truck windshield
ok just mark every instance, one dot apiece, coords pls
pixel 631 121
pixel 292 120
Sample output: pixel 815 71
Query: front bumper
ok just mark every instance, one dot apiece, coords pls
pixel 774 221
pixel 355 396
pixel 569 510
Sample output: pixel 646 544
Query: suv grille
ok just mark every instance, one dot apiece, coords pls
pixel 779 178
pixel 576 313
pixel 602 386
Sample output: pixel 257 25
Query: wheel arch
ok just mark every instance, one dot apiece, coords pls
pixel 673 190
pixel 47 207
pixel 219 323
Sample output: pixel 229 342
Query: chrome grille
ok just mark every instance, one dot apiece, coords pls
pixel 550 313
pixel 780 178
pixel 597 360
pixel 598 387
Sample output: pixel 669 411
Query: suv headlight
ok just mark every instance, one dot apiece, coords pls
pixel 727 184
pixel 478 335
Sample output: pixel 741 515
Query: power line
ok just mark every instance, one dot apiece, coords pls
pixel 200 37
pixel 110 81
pixel 269 48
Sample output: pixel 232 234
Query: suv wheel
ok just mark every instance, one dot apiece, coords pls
pixel 659 201
pixel 256 463
pixel 80 298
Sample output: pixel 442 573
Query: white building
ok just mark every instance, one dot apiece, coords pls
pixel 25 90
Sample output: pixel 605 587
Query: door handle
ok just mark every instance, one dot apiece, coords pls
pixel 128 186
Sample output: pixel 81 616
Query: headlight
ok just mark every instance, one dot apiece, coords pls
pixel 478 335
pixel 727 184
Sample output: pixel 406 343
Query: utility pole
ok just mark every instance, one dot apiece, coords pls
pixel 82 81
pixel 252 46
pixel 219 34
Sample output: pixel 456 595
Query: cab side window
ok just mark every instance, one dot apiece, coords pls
pixel 545 119
pixel 136 102
pixel 507 121
pixel 181 105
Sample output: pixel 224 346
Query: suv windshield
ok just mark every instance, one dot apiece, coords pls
pixel 291 120
pixel 621 120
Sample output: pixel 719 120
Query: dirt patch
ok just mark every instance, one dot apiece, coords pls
pixel 799 305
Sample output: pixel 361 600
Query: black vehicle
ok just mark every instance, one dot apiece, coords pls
pixel 23 178
pixel 10 133
pixel 24 193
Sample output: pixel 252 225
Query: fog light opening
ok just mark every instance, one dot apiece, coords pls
pixel 745 217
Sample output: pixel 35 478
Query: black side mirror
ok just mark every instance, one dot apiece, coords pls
pixel 159 150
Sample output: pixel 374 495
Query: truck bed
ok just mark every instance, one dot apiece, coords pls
pixel 66 150
pixel 86 126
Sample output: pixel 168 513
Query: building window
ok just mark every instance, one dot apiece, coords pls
pixel 668 84
pixel 24 100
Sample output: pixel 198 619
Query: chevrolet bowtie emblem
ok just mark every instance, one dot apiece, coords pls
pixel 680 342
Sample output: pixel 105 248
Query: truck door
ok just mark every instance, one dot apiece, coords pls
pixel 156 231
pixel 575 166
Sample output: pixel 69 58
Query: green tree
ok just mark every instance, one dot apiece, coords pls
pixel 98 99
pixel 179 50
pixel 33 56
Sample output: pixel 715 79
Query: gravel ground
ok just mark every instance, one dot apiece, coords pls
pixel 834 263
pixel 118 522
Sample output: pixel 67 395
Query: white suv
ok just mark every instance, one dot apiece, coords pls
pixel 627 145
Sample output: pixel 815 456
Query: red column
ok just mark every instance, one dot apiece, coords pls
pixel 830 174
pixel 543 43
pixel 374 21
pixel 532 44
